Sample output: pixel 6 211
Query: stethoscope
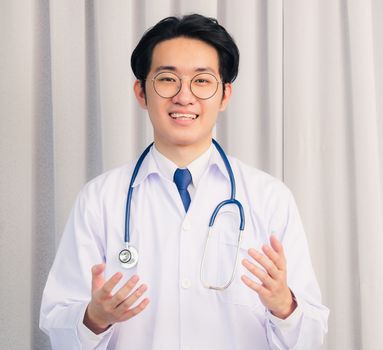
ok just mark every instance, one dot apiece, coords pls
pixel 128 256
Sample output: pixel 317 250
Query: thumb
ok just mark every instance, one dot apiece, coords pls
pixel 97 277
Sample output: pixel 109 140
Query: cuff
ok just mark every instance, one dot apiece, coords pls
pixel 288 323
pixel 287 330
pixel 88 339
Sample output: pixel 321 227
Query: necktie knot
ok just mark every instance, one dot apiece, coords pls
pixel 182 179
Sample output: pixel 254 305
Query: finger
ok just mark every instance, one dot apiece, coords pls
pixel 262 291
pixel 276 245
pixel 98 276
pixel 131 299
pixel 124 291
pixel 276 258
pixel 265 262
pixel 262 275
pixel 135 311
pixel 106 291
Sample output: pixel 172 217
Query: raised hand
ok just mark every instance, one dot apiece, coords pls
pixel 273 290
pixel 104 308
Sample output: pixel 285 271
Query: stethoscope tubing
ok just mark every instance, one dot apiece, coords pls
pixel 130 192
pixel 232 199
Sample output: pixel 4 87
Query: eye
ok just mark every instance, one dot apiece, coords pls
pixel 204 79
pixel 201 81
pixel 166 79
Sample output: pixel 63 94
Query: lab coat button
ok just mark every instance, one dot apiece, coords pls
pixel 185 284
pixel 186 226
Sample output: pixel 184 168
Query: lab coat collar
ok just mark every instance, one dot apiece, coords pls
pixel 148 167
pixel 217 161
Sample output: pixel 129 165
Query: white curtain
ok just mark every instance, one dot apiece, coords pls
pixel 307 107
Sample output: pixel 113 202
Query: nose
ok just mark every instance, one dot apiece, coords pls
pixel 184 96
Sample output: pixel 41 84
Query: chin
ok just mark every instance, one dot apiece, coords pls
pixel 191 140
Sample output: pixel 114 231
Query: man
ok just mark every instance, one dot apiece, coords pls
pixel 184 68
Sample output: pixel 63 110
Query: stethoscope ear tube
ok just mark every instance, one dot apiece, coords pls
pixel 232 199
pixel 202 268
pixel 211 223
pixel 227 202
pixel 228 168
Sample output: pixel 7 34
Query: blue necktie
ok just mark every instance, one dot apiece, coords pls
pixel 182 179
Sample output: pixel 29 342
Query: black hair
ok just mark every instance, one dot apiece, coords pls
pixel 193 26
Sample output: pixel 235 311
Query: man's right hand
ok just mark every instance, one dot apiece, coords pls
pixel 105 309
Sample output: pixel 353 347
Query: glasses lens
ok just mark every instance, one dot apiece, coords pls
pixel 204 85
pixel 166 84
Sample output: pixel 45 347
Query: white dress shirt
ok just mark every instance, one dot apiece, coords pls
pixel 182 313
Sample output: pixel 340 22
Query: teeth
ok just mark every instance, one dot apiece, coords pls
pixel 183 116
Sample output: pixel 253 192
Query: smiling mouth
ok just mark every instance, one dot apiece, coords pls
pixel 183 116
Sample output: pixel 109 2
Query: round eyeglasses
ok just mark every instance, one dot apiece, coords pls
pixel 202 85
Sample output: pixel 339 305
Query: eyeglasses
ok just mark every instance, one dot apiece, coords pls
pixel 202 85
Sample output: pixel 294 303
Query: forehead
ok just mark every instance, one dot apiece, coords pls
pixel 185 55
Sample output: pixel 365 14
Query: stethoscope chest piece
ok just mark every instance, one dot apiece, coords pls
pixel 128 257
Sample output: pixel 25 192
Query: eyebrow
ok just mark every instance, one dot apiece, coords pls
pixel 174 69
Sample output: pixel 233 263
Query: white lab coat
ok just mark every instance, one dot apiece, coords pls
pixel 182 314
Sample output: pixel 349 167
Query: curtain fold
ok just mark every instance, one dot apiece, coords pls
pixel 367 167
pixel 307 108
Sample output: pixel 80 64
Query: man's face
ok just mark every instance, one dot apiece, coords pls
pixel 183 120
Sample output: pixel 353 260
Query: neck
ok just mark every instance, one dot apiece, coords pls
pixel 182 155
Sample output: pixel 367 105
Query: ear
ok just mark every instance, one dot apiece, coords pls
pixel 226 96
pixel 140 94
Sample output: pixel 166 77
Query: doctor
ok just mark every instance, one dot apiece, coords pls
pixel 184 68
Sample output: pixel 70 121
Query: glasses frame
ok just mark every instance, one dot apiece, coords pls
pixel 190 84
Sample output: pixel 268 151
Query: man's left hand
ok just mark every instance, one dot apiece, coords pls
pixel 272 290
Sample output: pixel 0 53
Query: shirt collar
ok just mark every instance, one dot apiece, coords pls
pixel 165 166
pixel 156 163
pixel 197 167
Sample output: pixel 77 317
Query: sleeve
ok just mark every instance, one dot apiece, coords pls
pixel 68 288
pixel 307 326
pixel 90 340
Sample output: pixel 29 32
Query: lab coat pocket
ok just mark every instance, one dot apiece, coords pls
pixel 224 245
pixel 240 294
